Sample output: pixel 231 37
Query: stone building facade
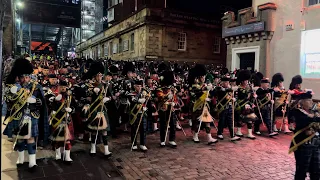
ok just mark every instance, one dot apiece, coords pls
pixel 287 43
pixel 159 34
pixel 248 38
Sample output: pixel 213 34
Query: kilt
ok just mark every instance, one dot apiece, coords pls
pixel 14 124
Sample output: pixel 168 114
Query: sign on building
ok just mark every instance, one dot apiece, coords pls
pixel 249 28
pixel 110 14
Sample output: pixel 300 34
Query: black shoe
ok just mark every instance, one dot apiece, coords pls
pixel 68 162
pixel 92 154
pixel 108 156
pixel 33 169
pixel 19 165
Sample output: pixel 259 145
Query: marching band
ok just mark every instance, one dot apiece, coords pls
pixel 57 102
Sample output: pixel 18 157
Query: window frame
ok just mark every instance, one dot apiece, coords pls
pixel 316 4
pixel 132 42
pixel 180 40
pixel 214 45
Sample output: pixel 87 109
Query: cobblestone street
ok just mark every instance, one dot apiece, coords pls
pixel 264 158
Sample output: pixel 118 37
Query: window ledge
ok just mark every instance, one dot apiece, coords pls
pixel 311 7
pixel 182 50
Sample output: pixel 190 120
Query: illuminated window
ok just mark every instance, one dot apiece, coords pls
pixel 182 42
pixel 313 2
pixel 310 54
pixel 216 45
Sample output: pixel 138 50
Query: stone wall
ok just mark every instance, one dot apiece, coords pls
pixel 7 39
pixel 157 38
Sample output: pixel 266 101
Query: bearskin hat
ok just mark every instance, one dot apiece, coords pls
pixel 256 78
pixel 276 79
pixel 95 68
pixel 20 67
pixel 200 70
pixel 295 80
pixel 113 70
pixel 191 76
pixel 63 83
pixel 243 75
pixel 259 75
pixel 167 78
pixel 224 71
pixel 162 67
pixel 129 66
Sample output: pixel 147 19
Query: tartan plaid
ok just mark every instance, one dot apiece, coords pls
pixel 307 160
pixel 39 127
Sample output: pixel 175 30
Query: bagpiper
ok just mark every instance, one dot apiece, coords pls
pixel 244 107
pixel 95 111
pixel 61 122
pixel 126 88
pixel 281 97
pixel 200 109
pixel 28 119
pixel 306 142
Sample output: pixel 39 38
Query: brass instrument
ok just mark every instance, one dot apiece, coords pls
pixel 281 100
pixel 138 107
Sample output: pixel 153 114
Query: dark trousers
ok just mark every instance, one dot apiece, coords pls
pixel 123 108
pixel 225 120
pixel 142 130
pixel 265 113
pixel 113 118
pixel 164 116
pixel 307 160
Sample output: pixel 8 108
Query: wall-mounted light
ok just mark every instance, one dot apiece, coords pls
pixel 20 4
pixel 18 20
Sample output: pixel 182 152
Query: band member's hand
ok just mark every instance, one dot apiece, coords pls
pixel 272 101
pixel 96 90
pixel 59 97
pixel 234 99
pixel 247 106
pixel 287 102
pixel 14 89
pixel 208 99
pixel 38 102
pixel 31 100
pixel 105 99
pixel 290 92
pixel 209 87
pixel 173 104
pixel 255 95
pixel 69 110
pixel 142 100
pixel 144 108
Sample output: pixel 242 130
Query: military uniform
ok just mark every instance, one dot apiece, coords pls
pixel 28 119
pixel 306 141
